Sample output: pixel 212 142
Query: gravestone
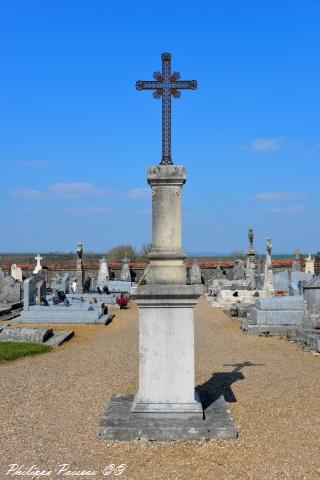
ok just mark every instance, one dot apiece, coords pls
pixel 16 272
pixel 10 289
pixel 281 282
pixel 309 264
pixel 195 274
pixel 239 272
pixel 38 267
pixel 274 315
pixel 29 292
pixel 296 266
pixel 166 406
pixel 103 274
pixel 125 274
pixel 311 293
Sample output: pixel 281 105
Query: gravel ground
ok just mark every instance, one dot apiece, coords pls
pixel 51 405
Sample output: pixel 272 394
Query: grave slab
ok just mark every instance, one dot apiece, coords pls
pixel 119 423
pixel 20 334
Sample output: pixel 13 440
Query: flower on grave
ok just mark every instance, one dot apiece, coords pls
pixel 122 301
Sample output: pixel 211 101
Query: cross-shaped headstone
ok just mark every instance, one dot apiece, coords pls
pixel 165 85
pixel 38 258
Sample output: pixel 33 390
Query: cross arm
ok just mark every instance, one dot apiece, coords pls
pixel 184 84
pixel 148 85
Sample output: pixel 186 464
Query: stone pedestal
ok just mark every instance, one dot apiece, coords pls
pixel 166 346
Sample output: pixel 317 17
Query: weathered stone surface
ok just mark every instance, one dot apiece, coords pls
pixel 59 337
pixel 166 257
pixel 309 337
pixel 166 345
pixel 10 289
pixel 280 303
pixel 268 314
pixel 311 293
pixel 22 334
pixel 119 423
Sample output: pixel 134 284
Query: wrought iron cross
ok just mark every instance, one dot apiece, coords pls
pixel 165 85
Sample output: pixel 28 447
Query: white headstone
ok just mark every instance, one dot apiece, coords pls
pixel 38 259
pixel 16 272
pixel 103 274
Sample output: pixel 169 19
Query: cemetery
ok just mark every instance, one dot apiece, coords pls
pixel 152 362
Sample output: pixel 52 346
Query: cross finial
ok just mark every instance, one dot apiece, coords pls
pixel 164 85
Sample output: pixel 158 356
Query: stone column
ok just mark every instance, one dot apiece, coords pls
pixel 166 257
pixel 268 274
pixel 250 253
pixel 80 270
pixel 166 323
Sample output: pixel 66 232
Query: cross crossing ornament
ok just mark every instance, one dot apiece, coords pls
pixel 164 85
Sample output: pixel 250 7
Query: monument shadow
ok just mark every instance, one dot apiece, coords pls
pixel 220 384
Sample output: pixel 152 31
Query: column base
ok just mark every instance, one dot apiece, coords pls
pixel 140 406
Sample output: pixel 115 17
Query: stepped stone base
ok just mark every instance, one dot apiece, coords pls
pixel 309 337
pixel 119 423
pixel 269 329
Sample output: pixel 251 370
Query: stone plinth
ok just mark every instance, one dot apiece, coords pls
pixel 166 349
pixel 166 257
pixel 118 422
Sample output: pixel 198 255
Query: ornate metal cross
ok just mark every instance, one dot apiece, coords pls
pixel 165 85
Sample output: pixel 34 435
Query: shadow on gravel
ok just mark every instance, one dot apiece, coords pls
pixel 220 384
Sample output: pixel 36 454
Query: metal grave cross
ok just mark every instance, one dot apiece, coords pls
pixel 165 85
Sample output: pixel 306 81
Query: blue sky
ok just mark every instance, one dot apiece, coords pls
pixel 76 137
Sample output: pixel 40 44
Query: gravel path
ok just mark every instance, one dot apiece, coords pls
pixel 51 405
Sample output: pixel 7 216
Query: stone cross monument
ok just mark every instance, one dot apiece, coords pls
pixel 38 267
pixel 166 406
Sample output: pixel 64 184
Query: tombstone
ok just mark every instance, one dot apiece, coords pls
pixel 38 267
pixel 239 272
pixel 296 266
pixel 297 282
pixel 309 264
pixel 10 289
pixel 281 282
pixel 80 270
pixel 41 287
pixel 16 272
pixel 195 274
pixel 103 274
pixel 277 315
pixel 62 283
pixel 268 275
pixel 125 270
pixel 218 273
pixel 250 253
pixel 29 292
pixel 311 294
